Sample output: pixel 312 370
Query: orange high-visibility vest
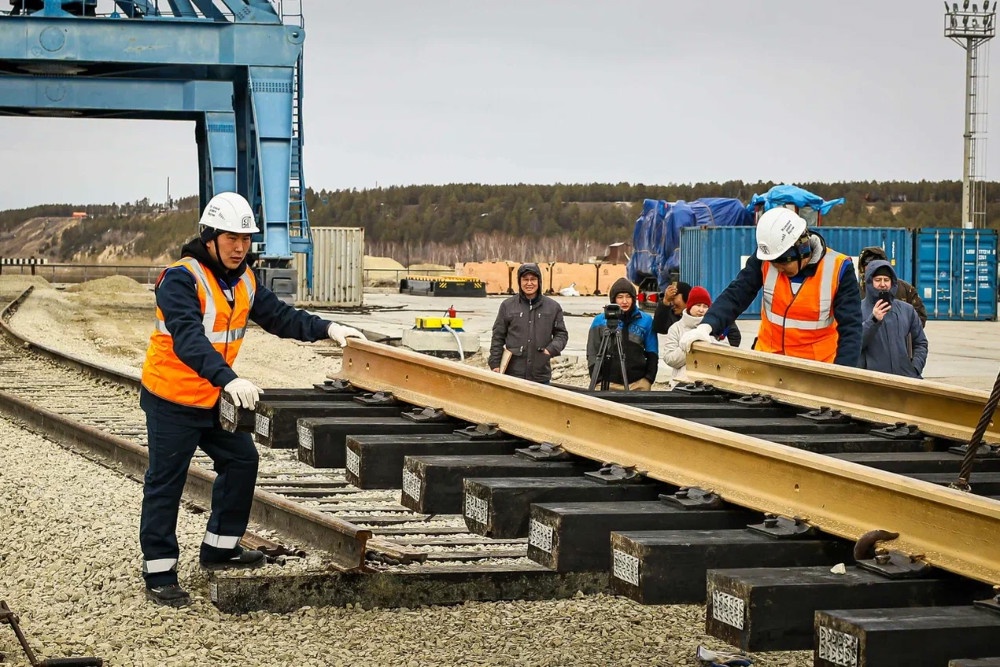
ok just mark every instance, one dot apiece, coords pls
pixel 163 373
pixel 801 324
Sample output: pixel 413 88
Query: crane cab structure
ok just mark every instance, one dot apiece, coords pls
pixel 234 67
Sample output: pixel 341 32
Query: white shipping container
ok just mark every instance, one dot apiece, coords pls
pixel 338 267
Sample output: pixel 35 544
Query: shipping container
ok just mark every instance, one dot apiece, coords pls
pixel 956 273
pixel 897 242
pixel 712 256
pixel 338 267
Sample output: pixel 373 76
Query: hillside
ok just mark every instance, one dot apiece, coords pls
pixel 458 222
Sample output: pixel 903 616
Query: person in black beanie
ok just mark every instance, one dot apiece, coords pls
pixel 639 343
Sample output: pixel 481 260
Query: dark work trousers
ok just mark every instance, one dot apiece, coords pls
pixel 174 432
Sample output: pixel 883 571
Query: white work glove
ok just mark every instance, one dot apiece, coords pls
pixel 340 333
pixel 702 332
pixel 245 393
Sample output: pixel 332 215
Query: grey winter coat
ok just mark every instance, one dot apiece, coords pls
pixel 527 329
pixel 884 344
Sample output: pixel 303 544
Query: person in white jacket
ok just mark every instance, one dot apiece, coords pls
pixel 674 354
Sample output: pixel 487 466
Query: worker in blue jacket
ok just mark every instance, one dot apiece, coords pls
pixel 640 346
pixel 204 302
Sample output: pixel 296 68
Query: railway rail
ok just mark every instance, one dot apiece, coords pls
pixel 455 483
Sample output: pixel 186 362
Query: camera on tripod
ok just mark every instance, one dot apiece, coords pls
pixel 611 339
pixel 612 315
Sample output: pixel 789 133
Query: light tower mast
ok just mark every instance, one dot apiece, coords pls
pixel 972 30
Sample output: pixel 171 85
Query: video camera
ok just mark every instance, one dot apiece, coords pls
pixel 612 315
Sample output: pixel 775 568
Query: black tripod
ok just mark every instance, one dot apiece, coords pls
pixel 604 355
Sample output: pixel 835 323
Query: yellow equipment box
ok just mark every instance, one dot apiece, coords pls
pixel 439 322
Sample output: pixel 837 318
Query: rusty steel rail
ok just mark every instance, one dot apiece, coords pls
pixel 345 541
pixel 944 527
pixel 938 409
pixel 98 370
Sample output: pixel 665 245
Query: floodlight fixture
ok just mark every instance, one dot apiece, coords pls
pixel 965 5
pixel 974 9
pixel 954 7
pixel 986 5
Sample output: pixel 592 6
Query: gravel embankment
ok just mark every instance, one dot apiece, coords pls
pixel 70 560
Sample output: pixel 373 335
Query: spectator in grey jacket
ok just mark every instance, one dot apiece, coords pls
pixel 888 324
pixel 530 327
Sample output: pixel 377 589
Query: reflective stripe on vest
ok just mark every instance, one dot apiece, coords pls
pixel 801 324
pixel 224 319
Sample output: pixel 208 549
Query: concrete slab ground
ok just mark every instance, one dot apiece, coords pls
pixel 963 353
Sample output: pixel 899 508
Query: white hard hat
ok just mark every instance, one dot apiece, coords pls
pixel 229 212
pixel 777 231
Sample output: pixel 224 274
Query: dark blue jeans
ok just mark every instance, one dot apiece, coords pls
pixel 174 433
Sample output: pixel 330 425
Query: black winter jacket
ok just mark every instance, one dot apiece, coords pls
pixel 528 329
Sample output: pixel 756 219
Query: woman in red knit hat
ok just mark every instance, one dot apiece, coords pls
pixel 674 355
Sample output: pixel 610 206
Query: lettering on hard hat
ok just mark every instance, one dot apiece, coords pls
pixel 246 222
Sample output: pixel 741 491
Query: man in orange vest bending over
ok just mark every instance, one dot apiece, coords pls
pixel 812 305
pixel 204 302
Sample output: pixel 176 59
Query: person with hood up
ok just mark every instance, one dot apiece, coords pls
pixel 204 302
pixel 904 290
pixel 891 326
pixel 811 302
pixel 674 355
pixel 639 343
pixel 529 330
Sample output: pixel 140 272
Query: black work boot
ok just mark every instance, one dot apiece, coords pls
pixel 170 595
pixel 243 558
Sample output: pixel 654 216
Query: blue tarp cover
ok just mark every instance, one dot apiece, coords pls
pixel 780 195
pixel 656 239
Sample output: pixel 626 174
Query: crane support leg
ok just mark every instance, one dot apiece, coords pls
pixel 216 135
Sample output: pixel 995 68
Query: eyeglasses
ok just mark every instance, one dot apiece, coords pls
pixel 794 254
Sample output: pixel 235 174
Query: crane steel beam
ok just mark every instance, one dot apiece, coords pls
pixel 947 528
pixel 149 98
pixel 938 409
pixel 211 47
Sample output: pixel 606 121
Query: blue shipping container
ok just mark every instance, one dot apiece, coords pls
pixel 712 256
pixel 956 273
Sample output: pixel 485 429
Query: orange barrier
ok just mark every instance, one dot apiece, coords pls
pixel 587 279
pixel 498 276
pixel 607 274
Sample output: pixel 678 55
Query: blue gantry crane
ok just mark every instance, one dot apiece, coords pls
pixel 234 67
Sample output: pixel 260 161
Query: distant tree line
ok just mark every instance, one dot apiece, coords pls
pixel 443 223
pixel 475 222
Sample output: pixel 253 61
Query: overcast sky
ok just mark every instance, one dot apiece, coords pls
pixel 544 91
